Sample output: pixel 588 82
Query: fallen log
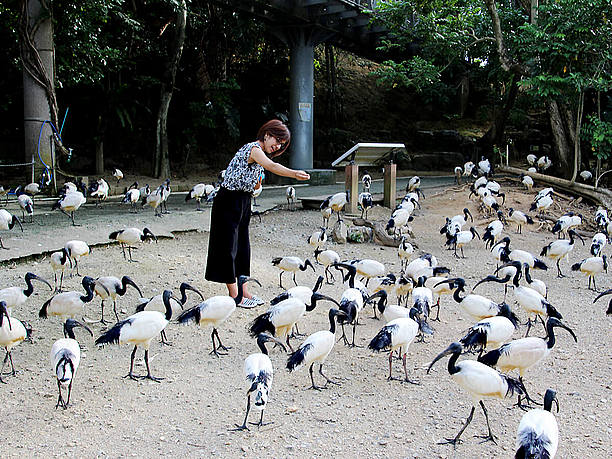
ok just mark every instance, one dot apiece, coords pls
pixel 600 196
pixel 380 233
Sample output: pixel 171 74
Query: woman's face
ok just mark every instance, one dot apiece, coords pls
pixel 271 144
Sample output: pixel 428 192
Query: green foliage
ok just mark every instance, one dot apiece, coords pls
pixel 599 135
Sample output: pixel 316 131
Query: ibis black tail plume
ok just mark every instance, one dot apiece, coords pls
pixel 296 359
pixel 262 324
pixel 190 314
pixel 111 336
pixel 382 341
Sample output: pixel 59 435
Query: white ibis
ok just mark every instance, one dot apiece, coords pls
pixel 397 334
pixel 366 181
pixel 259 374
pixel 70 202
pixel 285 312
pixel 413 184
pixel 523 353
pixel 17 296
pixel 65 357
pixel 69 304
pixel 197 192
pixel 326 213
pixel 165 194
pixel 336 202
pixel 532 159
pixel 290 195
pixel 351 304
pixel 458 172
pixel 532 169
pixel 365 202
pixel 327 258
pixel 422 298
pixel 541 204
pixel 99 190
pixel 58 261
pixel 139 329
pixel 468 168
pixel 317 239
pixel 587 176
pixel 154 200
pixel 527 181
pixel 492 331
pixel 399 219
pixel 484 167
pixel 544 163
pixel 156 303
pixel 7 222
pixel 111 286
pixel 536 284
pixel 493 230
pixel 591 267
pixel 12 332
pixel 601 217
pixel 128 237
pixel 480 382
pixel 118 175
pixel 27 206
pixel 77 249
pixel 476 306
pixel 567 222
pixel 215 311
pixel 560 249
pixel 389 312
pixel 132 196
pixel 404 252
pixel 598 242
pixel 462 238
pixel 368 268
pixel 426 265
pixel 538 434
pixel 438 289
pixel 518 217
pixel 32 188
pixel 290 264
pixel 315 349
pixel 462 219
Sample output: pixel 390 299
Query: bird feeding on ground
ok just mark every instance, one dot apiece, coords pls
pixel 532 159
pixel 132 196
pixel 566 222
pixel 7 222
pixel 491 332
pixel 77 249
pixel 99 190
pixel 15 297
pixel 71 202
pixel 607 292
pixel 476 306
pixel 366 181
pixel 541 204
pixel 527 181
pixel 27 206
pixel 12 332
pixel 404 252
pixel 480 381
pixel 290 264
pixel 130 236
pixel 215 311
pixel 109 287
pixel 317 239
pixel 523 353
pixel 197 192
pixel 493 230
pixel 368 268
pixel 462 238
pixel 58 262
pixel 139 329
pixel 598 242
pixel 544 163
pixel 586 176
pixel 316 348
pixel 327 258
pixel 538 434
pixel 259 374
pixel 65 357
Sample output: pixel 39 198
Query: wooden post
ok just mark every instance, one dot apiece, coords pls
pixel 351 180
pixel 390 186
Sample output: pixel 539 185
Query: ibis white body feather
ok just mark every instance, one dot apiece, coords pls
pixel 540 427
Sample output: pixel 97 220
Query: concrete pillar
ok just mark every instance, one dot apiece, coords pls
pixel 351 183
pixel 35 103
pixel 301 108
pixel 390 186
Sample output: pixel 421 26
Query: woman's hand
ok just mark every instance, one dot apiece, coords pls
pixel 302 175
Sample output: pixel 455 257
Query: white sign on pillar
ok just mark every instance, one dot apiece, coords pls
pixel 305 111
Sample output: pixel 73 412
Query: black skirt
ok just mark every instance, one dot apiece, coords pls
pixel 229 249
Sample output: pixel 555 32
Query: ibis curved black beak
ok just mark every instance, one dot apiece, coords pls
pixel 449 350
pixel 490 278
pixel 4 313
pixel 558 323
pixel 318 297
pixel 453 280
pixel 607 292
pixel 71 323
pixel 467 212
pixel 128 281
pixel 38 278
pixel 265 337
pixel 318 284
pixel 185 286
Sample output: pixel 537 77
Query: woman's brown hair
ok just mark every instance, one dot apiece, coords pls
pixel 279 131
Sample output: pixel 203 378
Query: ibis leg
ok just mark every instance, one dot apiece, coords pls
pixel 60 400
pixel 221 346
pixel 314 386
pixel 280 280
pixel 115 310
pixel 130 374
pixel 490 436
pixel 69 392
pixel 102 321
pixel 408 380
pixel 248 408
pixel 329 381
pixel 454 441
pixel 390 362
pixel 294 281
pixel 61 281
pixel 559 273
pixel 149 375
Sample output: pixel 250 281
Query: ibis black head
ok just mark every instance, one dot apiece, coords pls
pixel 454 348
pixel 553 322
pixel 549 398
pixel 309 263
pixel 30 276
pixel 147 234
pixel 466 213
pixel 506 312
pixel 264 338
pixel 4 313
pixel 185 286
pixel 69 326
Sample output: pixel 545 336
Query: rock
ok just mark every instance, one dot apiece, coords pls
pixel 340 233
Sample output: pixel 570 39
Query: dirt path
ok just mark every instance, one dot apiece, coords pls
pixel 189 413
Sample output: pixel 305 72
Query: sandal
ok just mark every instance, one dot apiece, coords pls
pixel 247 303
pixel 258 300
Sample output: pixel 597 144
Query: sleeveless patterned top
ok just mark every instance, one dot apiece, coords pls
pixel 240 175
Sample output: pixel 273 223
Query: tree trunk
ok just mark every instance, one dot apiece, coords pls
pixel 99 144
pixel 576 135
pixel 162 155
pixel 495 134
pixel 560 137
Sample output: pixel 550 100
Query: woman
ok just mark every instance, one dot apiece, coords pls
pixel 229 250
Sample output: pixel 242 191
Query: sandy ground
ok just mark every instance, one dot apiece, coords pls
pixel 191 411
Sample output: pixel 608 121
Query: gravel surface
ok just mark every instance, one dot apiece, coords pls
pixel 190 412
